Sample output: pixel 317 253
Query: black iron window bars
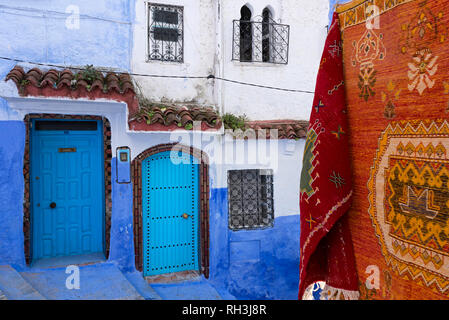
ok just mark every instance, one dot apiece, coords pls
pixel 260 41
pixel 165 33
pixel 250 199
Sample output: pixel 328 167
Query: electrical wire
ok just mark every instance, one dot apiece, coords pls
pixel 164 76
pixel 56 14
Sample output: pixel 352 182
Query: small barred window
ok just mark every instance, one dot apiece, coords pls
pixel 250 199
pixel 165 33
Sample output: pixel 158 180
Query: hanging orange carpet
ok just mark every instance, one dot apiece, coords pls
pixel 396 71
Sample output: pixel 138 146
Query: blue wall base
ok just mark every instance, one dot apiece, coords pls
pixel 12 145
pixel 254 265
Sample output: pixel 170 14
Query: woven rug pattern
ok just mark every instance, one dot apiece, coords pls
pixel 397 89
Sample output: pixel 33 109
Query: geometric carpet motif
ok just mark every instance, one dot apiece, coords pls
pixel 396 57
pixel 409 200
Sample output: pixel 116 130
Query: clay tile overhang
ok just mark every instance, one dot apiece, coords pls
pixel 79 84
pixel 279 129
pixel 35 82
pixel 157 117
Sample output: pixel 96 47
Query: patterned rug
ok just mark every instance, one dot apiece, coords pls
pixel 326 186
pixel 396 57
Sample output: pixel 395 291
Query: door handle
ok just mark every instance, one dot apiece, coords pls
pixel 185 216
pixel 52 205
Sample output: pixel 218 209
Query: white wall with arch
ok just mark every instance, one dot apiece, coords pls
pixel 307 21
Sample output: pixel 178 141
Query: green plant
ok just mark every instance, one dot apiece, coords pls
pixel 89 74
pixel 22 87
pixel 149 115
pixel 234 122
pixel 188 126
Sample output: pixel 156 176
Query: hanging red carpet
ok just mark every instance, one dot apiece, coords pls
pixel 397 91
pixel 326 186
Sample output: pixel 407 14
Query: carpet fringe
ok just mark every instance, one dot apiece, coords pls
pixel 331 293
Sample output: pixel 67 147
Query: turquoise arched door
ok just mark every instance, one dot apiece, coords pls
pixel 170 213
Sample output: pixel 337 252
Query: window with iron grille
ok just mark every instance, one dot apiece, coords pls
pixel 165 32
pixel 260 39
pixel 250 199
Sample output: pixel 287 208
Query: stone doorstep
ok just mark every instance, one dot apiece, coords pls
pixel 62 262
pixel 173 277
pixel 142 286
pixel 102 281
pixel 15 287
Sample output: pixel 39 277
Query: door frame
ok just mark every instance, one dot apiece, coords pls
pixel 27 183
pixel 203 205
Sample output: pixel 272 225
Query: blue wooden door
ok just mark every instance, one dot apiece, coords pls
pixel 67 188
pixel 170 196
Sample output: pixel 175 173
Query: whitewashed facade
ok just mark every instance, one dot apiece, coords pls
pixel 208 49
pixel 208 40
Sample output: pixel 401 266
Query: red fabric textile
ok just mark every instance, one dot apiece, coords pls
pixel 326 186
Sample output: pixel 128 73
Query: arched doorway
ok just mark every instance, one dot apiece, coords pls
pixel 171 210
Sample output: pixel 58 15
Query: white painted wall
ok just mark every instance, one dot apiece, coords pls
pixel 208 26
pixel 307 20
pixel 199 55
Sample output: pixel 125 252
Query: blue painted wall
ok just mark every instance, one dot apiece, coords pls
pixel 36 31
pixel 259 264
pixel 12 144
pixel 122 240
pixel 11 209
pixel 5 111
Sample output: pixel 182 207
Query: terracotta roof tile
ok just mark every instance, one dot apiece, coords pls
pixel 57 79
pixel 16 75
pixel 175 115
pixel 147 118
pixel 287 129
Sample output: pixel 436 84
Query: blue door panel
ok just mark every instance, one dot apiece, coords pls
pixel 170 190
pixel 74 182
